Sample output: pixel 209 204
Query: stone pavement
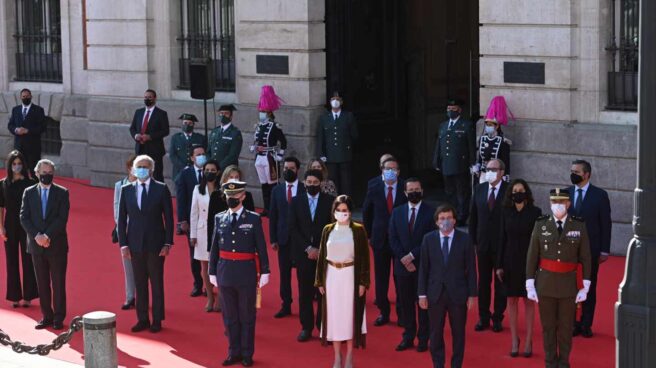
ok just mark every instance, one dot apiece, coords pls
pixel 9 359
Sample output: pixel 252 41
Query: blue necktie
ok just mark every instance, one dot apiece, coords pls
pixel 44 202
pixel 313 206
pixel 445 249
pixel 579 202
pixel 24 112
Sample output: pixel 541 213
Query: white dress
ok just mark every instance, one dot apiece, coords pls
pixel 340 285
pixel 198 223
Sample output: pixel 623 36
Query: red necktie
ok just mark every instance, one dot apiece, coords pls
pixel 411 224
pixel 144 126
pixel 390 199
pixel 289 193
pixel 491 199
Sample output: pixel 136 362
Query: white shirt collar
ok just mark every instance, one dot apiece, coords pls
pixel 150 109
pixel 454 121
pixel 416 207
pixel 238 212
pixel 27 106
pixel 449 235
pixel 43 186
pixel 388 185
pixel 138 182
pixel 564 220
pixel 312 197
pixel 226 126
pixel 584 188
pixel 294 184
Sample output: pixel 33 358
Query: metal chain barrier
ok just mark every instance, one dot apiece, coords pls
pixel 43 349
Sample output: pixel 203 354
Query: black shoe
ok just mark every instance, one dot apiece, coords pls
pixel 283 312
pixel 586 332
pixel 381 321
pixel 422 347
pixel 156 327
pixel 404 345
pixel 304 336
pixel 231 360
pixel 128 305
pixel 196 292
pixel 247 361
pixel 57 326
pixel 514 353
pixel 482 326
pixel 140 326
pixel 577 330
pixel 496 326
pixel 44 323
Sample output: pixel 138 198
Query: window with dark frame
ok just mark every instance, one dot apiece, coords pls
pixel 207 31
pixel 38 41
pixel 623 48
pixel 51 142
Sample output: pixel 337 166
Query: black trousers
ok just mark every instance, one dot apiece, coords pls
pixel 158 172
pixel 458 188
pixel 383 259
pixel 51 281
pixel 305 272
pixel 285 266
pixel 457 321
pixel 266 194
pixel 195 267
pixel 486 262
pixel 587 315
pixel 340 173
pixel 148 268
pixel 407 285
pixel 238 305
pixel 16 256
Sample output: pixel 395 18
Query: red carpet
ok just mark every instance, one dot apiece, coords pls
pixel 193 338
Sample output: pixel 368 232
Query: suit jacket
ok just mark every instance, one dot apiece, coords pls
pixel 484 225
pixel 151 227
pixel 54 225
pixel 303 231
pixel 184 191
pixel 402 241
pixel 455 148
pixel 458 276
pixel 279 212
pixel 158 128
pixel 34 122
pixel 374 211
pixel 335 138
pixel 225 147
pixel 180 150
pixel 246 237
pixel 595 211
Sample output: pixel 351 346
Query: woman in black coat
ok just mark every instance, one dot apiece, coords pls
pixel 517 221
pixel 11 231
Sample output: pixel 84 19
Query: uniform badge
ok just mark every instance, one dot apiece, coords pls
pixel 574 234
pixel 544 228
pixel 228 138
pixel 546 233
pixel 246 226
pixel 545 247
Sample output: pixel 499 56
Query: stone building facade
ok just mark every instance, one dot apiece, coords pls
pixel 111 51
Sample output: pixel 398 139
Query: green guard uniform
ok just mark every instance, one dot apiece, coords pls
pixel 225 145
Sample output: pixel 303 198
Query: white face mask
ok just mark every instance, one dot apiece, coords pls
pixel 490 176
pixel 263 116
pixel 559 210
pixel 341 216
pixel 335 104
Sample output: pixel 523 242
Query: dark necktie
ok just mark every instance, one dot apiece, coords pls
pixel 560 227
pixel 144 195
pixel 390 199
pixel 491 199
pixel 579 202
pixel 411 223
pixel 289 193
pixel 200 175
pixel 445 249
pixel 234 220
pixel 450 125
pixel 24 112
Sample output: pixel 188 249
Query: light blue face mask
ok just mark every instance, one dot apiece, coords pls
pixel 201 160
pixel 141 173
pixel 489 130
pixel 263 117
pixel 389 175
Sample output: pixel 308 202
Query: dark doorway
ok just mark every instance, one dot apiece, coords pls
pixel 396 63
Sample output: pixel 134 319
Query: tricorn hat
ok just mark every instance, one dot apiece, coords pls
pixel 191 117
pixel 229 107
pixel 455 102
pixel 559 194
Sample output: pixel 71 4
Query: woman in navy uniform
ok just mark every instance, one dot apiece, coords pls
pixel 492 143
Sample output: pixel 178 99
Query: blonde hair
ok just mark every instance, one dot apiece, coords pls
pixel 229 170
pixel 324 168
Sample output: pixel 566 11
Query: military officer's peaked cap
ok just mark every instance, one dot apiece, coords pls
pixel 559 194
pixel 191 117
pixel 229 107
pixel 233 187
pixel 455 102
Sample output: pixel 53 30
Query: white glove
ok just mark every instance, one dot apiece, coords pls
pixel 251 148
pixel 531 294
pixel 213 281
pixel 582 295
pixel 279 157
pixel 475 169
pixel 323 158
pixel 264 279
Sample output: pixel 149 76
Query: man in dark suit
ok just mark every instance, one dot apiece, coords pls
pixel 447 284
pixel 336 132
pixel 484 225
pixel 455 152
pixel 184 190
pixel 225 141
pixel 408 225
pixel 181 144
pixel 149 126
pixel 281 199
pixel 239 266
pixel 308 215
pixel 146 239
pixel 26 124
pixel 592 204
pixel 380 200
pixel 44 215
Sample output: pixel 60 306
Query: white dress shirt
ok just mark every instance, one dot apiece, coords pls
pixel 496 190
pixel 584 189
pixel 294 188
pixel 393 189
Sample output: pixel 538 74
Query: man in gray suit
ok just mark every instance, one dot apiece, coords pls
pixel 44 215
pixel 447 284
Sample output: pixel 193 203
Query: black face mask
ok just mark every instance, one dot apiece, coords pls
pixel 46 179
pixel 575 178
pixel 148 102
pixel 313 189
pixel 210 176
pixel 519 197
pixel 225 120
pixel 289 175
pixel 233 202
pixel 26 101
pixel 453 115
pixel 188 128
pixel 414 197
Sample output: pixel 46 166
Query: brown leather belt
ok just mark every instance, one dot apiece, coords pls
pixel 339 265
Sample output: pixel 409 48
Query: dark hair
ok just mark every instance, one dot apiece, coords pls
pixel 25 90
pixel 342 199
pixel 391 159
pixel 203 182
pixel 507 198
pixel 587 168
pixel 316 173
pixel 502 165
pixel 151 91
pixel 11 157
pixel 270 115
pixel 194 147
pixel 447 207
pixel 294 160
pixel 130 161
pixel 412 180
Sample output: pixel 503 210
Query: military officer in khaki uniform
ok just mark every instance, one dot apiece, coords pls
pixel 558 258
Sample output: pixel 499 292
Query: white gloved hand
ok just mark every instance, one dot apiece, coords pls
pixel 531 294
pixel 279 157
pixel 475 169
pixel 264 279
pixel 582 295
pixel 323 158
pixel 213 281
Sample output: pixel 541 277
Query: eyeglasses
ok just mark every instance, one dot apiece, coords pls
pixel 492 169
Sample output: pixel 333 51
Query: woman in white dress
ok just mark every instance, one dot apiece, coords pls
pixel 343 278
pixel 198 227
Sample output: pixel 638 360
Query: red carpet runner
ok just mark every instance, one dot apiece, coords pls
pixel 193 338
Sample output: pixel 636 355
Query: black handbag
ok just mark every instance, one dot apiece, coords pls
pixel 115 235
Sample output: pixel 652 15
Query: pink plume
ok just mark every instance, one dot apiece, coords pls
pixel 498 111
pixel 268 100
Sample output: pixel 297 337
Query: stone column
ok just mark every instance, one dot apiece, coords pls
pixel 100 340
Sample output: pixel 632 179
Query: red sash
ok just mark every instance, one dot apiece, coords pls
pixel 564 267
pixel 232 256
